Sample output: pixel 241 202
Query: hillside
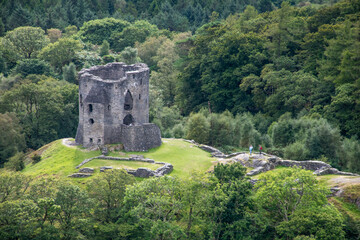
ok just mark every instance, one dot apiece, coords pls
pixel 61 160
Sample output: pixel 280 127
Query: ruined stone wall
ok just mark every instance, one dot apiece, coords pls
pixel 141 137
pixel 111 97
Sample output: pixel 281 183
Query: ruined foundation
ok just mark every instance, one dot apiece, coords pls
pixel 114 107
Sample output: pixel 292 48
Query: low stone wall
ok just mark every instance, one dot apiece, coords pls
pixel 308 165
pixel 166 168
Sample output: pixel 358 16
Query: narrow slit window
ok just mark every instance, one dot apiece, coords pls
pixel 90 107
pixel 139 96
pixel 91 121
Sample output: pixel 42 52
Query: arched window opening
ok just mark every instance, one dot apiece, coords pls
pixel 128 119
pixel 91 121
pixel 128 101
pixel 90 107
pixel 99 140
pixel 91 140
pixel 109 107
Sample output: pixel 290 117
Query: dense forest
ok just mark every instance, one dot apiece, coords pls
pixel 230 73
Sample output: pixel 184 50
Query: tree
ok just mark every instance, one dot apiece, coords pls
pixel 230 202
pixel 13 185
pixel 69 73
pixel 104 49
pixel 26 67
pixel 96 31
pixel 109 190
pixel 16 162
pixel 129 55
pixel 198 128
pixel 18 219
pixel 280 194
pixel 48 110
pixel 26 42
pixel 11 137
pixel 73 203
pixel 155 204
pixel 136 32
pixel 54 34
pixel 61 52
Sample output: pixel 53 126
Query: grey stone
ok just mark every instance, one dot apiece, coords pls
pixel 86 170
pixel 114 107
pixel 308 165
pixel 102 169
pixel 104 151
pixel 80 175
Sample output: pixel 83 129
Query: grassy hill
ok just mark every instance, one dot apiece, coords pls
pixel 60 160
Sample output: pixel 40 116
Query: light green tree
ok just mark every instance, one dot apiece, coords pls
pixel 26 42
pixel 61 52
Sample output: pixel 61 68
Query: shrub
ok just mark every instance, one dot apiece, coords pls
pixel 16 163
pixel 296 151
pixel 36 158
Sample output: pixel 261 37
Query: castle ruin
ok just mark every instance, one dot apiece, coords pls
pixel 114 107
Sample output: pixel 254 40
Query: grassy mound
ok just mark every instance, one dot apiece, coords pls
pixel 60 160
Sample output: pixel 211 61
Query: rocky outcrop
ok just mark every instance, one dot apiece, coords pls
pixel 330 170
pixel 102 169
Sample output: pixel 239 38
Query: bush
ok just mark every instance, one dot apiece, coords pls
pixel 178 131
pixel 16 163
pixel 296 151
pixel 108 58
pixel 198 128
pixel 36 158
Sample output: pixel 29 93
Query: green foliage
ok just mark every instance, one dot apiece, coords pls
pixel 96 31
pixel 129 55
pixel 26 67
pixel 61 52
pixel 11 137
pixel 47 110
pixel 13 185
pixel 350 155
pixel 136 32
pixel 198 128
pixel 36 158
pixel 296 151
pixel 25 42
pixel 69 73
pixel 16 162
pixel 321 223
pixel 109 190
pixel 104 49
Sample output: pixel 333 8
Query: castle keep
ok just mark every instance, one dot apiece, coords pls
pixel 114 107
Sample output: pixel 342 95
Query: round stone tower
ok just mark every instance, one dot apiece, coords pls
pixel 114 107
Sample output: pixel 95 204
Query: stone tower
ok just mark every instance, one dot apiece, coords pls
pixel 114 107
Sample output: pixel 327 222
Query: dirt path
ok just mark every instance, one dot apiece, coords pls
pixel 69 142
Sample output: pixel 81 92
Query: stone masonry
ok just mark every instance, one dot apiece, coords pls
pixel 114 107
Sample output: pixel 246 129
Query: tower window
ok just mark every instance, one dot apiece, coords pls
pixel 91 140
pixel 99 140
pixel 128 101
pixel 109 107
pixel 139 96
pixel 91 121
pixel 90 107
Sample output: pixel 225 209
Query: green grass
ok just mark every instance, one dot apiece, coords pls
pixel 97 163
pixel 59 160
pixel 349 208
